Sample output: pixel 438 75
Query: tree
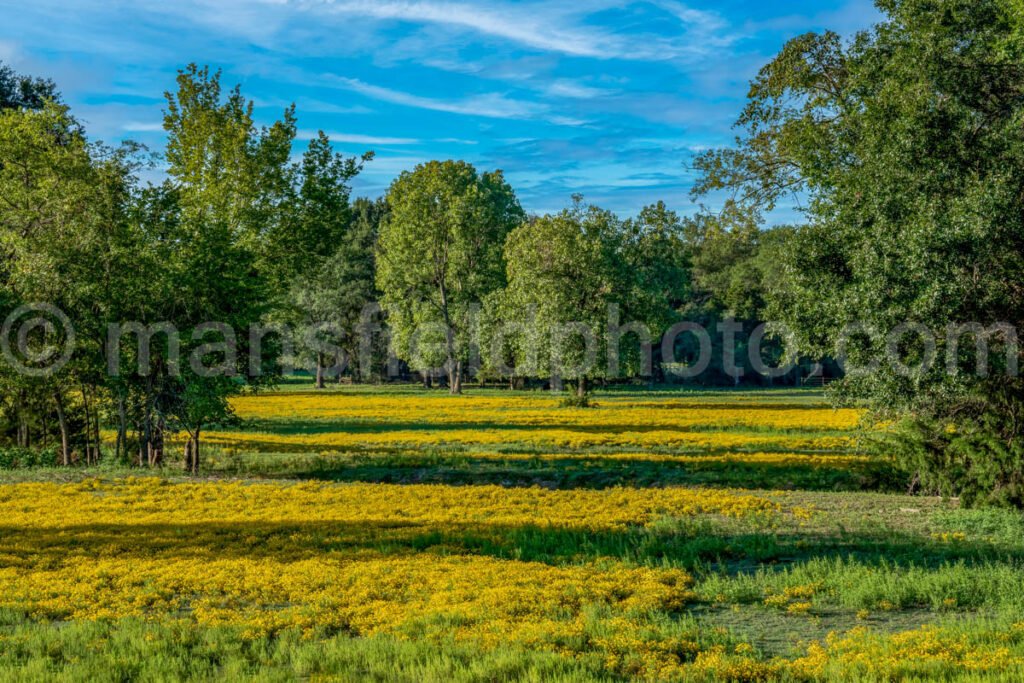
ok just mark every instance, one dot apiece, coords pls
pixel 907 146
pixel 25 92
pixel 64 237
pixel 231 189
pixel 333 296
pixel 322 215
pixel 440 255
pixel 564 271
pixel 323 261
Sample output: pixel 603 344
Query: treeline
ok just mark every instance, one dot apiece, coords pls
pixel 240 236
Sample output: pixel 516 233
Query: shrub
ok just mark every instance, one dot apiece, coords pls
pixel 980 459
pixel 577 401
pixel 16 457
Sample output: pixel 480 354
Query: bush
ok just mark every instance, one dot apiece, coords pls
pixel 16 457
pixel 577 401
pixel 975 459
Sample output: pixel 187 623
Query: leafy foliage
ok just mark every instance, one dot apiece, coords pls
pixel 907 145
pixel 439 256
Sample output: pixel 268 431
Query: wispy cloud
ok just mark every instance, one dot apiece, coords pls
pixel 347 138
pixel 506 23
pixel 142 127
pixel 545 26
pixel 491 105
pixel 8 51
pixel 573 89
pixel 608 97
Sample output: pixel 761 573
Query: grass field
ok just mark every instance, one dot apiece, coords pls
pixel 394 534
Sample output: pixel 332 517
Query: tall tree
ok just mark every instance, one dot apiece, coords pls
pixel 564 271
pixel 906 143
pixel 657 265
pixel 65 240
pixel 440 255
pixel 233 186
pixel 325 263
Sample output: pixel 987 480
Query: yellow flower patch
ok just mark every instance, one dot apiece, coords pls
pixel 517 410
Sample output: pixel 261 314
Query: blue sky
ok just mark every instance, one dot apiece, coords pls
pixel 610 99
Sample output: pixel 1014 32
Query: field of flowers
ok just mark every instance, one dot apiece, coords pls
pixel 358 534
pixel 773 438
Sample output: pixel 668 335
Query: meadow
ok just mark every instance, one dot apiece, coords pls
pixel 363 533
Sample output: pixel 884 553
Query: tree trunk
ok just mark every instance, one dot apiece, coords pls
pixel 88 422
pixel 581 387
pixel 319 371
pixel 122 427
pixel 65 439
pixel 96 427
pixel 195 453
pixel 22 422
pixel 455 377
pixel 157 446
pixel 146 447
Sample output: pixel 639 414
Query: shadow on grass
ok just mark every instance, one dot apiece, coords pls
pixel 377 426
pixel 698 543
pixel 564 473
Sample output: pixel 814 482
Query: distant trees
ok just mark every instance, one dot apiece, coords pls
pixel 18 91
pixel 439 256
pixel 240 236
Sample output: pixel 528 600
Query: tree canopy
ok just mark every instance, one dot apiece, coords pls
pixel 906 144
pixel 440 255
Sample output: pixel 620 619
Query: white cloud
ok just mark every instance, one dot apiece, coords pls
pixel 567 121
pixel 546 26
pixel 707 21
pixel 142 127
pixel 346 138
pixel 9 51
pixel 514 26
pixel 491 105
pixel 573 89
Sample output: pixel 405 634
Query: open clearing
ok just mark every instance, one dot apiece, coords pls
pixel 362 533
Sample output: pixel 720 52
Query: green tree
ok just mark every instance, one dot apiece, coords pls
pixel 440 255
pixel 232 184
pixel 564 271
pixel 332 297
pixel 907 147
pixel 325 262
pixel 67 243
pixel 18 91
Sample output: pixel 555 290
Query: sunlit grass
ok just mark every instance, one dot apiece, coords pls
pixel 661 535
